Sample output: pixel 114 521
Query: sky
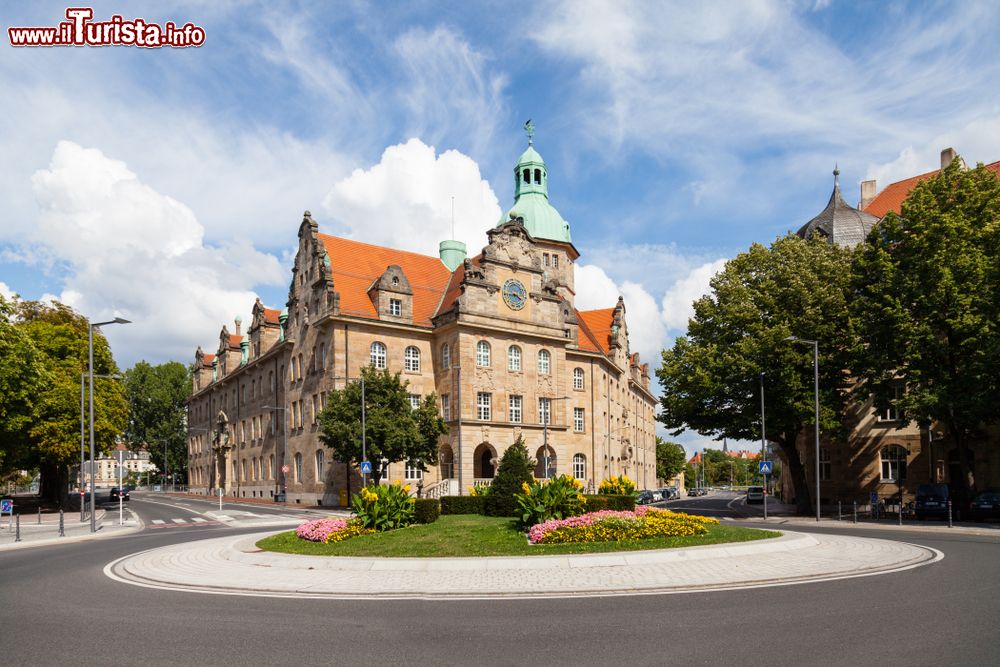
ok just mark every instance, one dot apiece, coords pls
pixel 166 185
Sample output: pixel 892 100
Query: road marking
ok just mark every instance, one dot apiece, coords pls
pixel 199 519
pixel 158 521
pixel 180 520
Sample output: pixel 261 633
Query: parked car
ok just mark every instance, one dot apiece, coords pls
pixel 666 493
pixel 755 494
pixel 657 495
pixel 932 500
pixel 985 505
pixel 696 492
pixel 645 498
pixel 115 492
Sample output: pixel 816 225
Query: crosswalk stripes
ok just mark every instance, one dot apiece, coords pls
pixel 222 519
pixel 180 520
pixel 198 519
pixel 158 521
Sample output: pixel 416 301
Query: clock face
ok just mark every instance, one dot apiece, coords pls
pixel 514 294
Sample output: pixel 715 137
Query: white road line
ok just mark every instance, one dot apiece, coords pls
pixel 198 519
pixel 179 520
pixel 158 521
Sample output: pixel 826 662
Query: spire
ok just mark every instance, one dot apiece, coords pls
pixel 531 195
pixel 836 176
pixel 529 129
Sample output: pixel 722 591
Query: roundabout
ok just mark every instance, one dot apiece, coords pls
pixel 234 565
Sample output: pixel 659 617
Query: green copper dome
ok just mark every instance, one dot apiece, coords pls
pixel 531 199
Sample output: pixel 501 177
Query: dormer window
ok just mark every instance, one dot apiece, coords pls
pixel 395 307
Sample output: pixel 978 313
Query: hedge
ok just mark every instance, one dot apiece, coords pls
pixel 596 503
pixel 462 504
pixel 426 510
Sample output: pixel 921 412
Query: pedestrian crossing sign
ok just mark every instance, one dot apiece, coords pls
pixel 764 467
pixel 366 467
pixel 6 506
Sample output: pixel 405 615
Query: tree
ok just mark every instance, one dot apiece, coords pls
pixel 22 377
pixel 516 468
pixel 393 429
pixel 670 459
pixel 53 437
pixel 711 376
pixel 928 307
pixel 157 415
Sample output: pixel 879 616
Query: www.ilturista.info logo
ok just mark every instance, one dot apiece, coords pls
pixel 80 30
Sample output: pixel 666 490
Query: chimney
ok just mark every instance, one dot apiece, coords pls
pixel 947 155
pixel 239 321
pixel 868 189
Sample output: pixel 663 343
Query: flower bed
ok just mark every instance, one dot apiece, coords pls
pixel 611 526
pixel 328 531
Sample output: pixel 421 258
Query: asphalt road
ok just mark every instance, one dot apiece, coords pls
pixel 60 609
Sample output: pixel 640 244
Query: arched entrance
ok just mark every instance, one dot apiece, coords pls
pixel 540 462
pixel 484 461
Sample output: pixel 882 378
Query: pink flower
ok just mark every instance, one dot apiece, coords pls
pixel 319 529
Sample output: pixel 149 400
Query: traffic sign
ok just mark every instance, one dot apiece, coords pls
pixel 764 467
pixel 6 506
pixel 366 467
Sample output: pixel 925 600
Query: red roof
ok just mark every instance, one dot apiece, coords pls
pixel 454 287
pixel 597 325
pixel 207 359
pixel 271 315
pixel 234 340
pixel 356 265
pixel 891 198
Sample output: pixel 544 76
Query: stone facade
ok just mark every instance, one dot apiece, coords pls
pixel 498 340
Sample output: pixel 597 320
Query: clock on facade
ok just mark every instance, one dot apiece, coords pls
pixel 514 294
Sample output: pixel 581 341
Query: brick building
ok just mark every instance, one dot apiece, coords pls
pixel 496 337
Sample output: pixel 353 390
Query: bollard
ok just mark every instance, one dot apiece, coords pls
pixel 39 514
pixel 17 535
pixel 949 514
pixel 900 511
pixel 855 511
pixel 839 513
pixel 62 533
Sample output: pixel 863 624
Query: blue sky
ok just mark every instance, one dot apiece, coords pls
pixel 166 186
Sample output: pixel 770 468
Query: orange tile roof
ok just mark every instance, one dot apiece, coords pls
pixel 356 265
pixel 235 340
pixel 271 315
pixel 454 289
pixel 892 196
pixel 207 359
pixel 597 325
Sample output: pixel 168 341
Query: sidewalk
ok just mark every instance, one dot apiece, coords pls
pixel 847 523
pixel 34 534
pixel 234 565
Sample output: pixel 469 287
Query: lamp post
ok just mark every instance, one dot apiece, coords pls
pixel 763 439
pixel 90 371
pixel 284 442
pixel 815 345
pixel 545 429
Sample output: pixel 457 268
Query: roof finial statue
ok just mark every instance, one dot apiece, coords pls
pixel 836 175
pixel 530 130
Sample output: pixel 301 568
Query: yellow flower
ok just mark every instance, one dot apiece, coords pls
pixel 406 488
pixel 526 488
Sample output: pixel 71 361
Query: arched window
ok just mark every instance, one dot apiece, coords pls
pixel 320 461
pixel 577 378
pixel 544 362
pixel 377 356
pixel 527 176
pixel 322 355
pixel 270 467
pixel 411 359
pixel 298 375
pixel 893 462
pixel 445 356
pixel 482 353
pixel 513 358
pixel 298 467
pixel 538 176
pixel 245 476
pixel 579 466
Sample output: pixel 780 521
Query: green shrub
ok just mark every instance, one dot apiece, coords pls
pixel 595 503
pixel 383 507
pixel 559 498
pixel 462 504
pixel 516 468
pixel 621 503
pixel 426 510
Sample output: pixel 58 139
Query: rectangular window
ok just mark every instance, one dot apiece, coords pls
pixel 446 407
pixel 555 261
pixel 395 307
pixel 824 465
pixel 544 411
pixel 892 412
pixel 578 420
pixel 414 401
pixel 515 403
pixel 484 403
pixel 413 471
pixel 545 259
pixel 315 406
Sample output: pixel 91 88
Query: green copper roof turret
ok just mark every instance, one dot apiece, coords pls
pixel 531 196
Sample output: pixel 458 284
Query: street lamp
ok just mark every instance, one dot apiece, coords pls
pixel 763 440
pixel 545 428
pixel 284 442
pixel 815 344
pixel 83 437
pixel 90 371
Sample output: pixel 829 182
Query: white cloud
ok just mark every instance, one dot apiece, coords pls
pixel 129 251
pixel 405 201
pixel 678 301
pixel 595 289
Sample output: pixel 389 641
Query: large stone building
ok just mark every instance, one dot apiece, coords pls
pixel 881 455
pixel 496 337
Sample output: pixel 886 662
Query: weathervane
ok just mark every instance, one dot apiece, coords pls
pixel 529 130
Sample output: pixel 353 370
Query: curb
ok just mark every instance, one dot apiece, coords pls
pixel 84 537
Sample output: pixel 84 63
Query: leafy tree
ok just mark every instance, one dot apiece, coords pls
pixel 711 376
pixel 516 468
pixel 22 377
pixel 53 437
pixel 670 459
pixel 393 430
pixel 928 306
pixel 157 414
